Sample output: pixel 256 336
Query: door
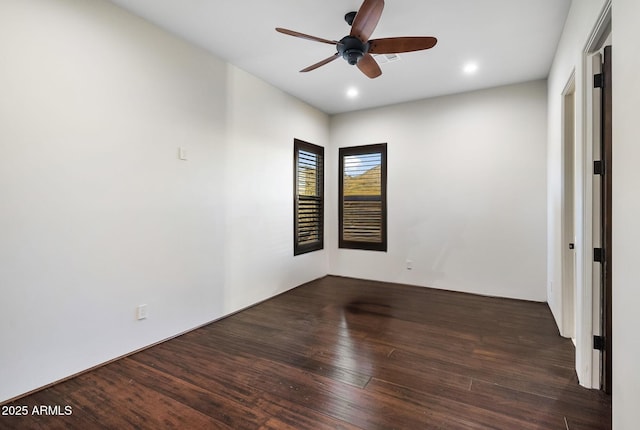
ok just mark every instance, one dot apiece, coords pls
pixel 603 168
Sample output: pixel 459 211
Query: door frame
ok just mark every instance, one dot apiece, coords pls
pixel 568 209
pixel 588 320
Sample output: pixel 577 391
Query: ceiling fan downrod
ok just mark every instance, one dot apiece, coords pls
pixel 349 17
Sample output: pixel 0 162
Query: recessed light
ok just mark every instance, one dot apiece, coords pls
pixel 352 93
pixel 470 68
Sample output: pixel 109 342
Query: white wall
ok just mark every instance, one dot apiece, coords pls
pixel 626 213
pixel 261 124
pixel 99 215
pixel 466 192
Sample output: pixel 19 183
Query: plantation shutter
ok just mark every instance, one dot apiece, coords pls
pixel 363 197
pixel 308 197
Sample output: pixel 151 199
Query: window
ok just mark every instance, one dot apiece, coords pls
pixel 363 197
pixel 308 195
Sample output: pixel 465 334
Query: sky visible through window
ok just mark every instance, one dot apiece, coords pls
pixel 307 173
pixel 356 165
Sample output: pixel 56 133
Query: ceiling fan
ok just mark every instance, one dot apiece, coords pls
pixel 356 48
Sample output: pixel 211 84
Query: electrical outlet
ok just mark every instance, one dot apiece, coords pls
pixel 141 312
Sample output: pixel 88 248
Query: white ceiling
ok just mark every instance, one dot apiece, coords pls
pixel 510 40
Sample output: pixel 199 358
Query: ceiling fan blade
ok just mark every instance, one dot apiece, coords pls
pixel 367 19
pixel 396 45
pixel 321 63
pixel 305 36
pixel 369 66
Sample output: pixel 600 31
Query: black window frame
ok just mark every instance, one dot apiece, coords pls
pixel 300 246
pixel 363 150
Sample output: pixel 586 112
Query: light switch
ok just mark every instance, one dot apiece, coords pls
pixel 182 153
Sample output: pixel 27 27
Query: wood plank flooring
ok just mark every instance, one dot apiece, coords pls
pixel 341 353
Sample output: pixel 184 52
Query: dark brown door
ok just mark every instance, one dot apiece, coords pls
pixel 606 208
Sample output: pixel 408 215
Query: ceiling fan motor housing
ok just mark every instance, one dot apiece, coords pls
pixel 352 49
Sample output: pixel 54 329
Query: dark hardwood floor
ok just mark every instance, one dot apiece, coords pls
pixel 341 353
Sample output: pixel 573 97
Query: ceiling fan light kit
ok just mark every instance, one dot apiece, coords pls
pixel 356 48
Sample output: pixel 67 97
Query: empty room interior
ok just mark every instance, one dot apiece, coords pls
pixel 195 234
